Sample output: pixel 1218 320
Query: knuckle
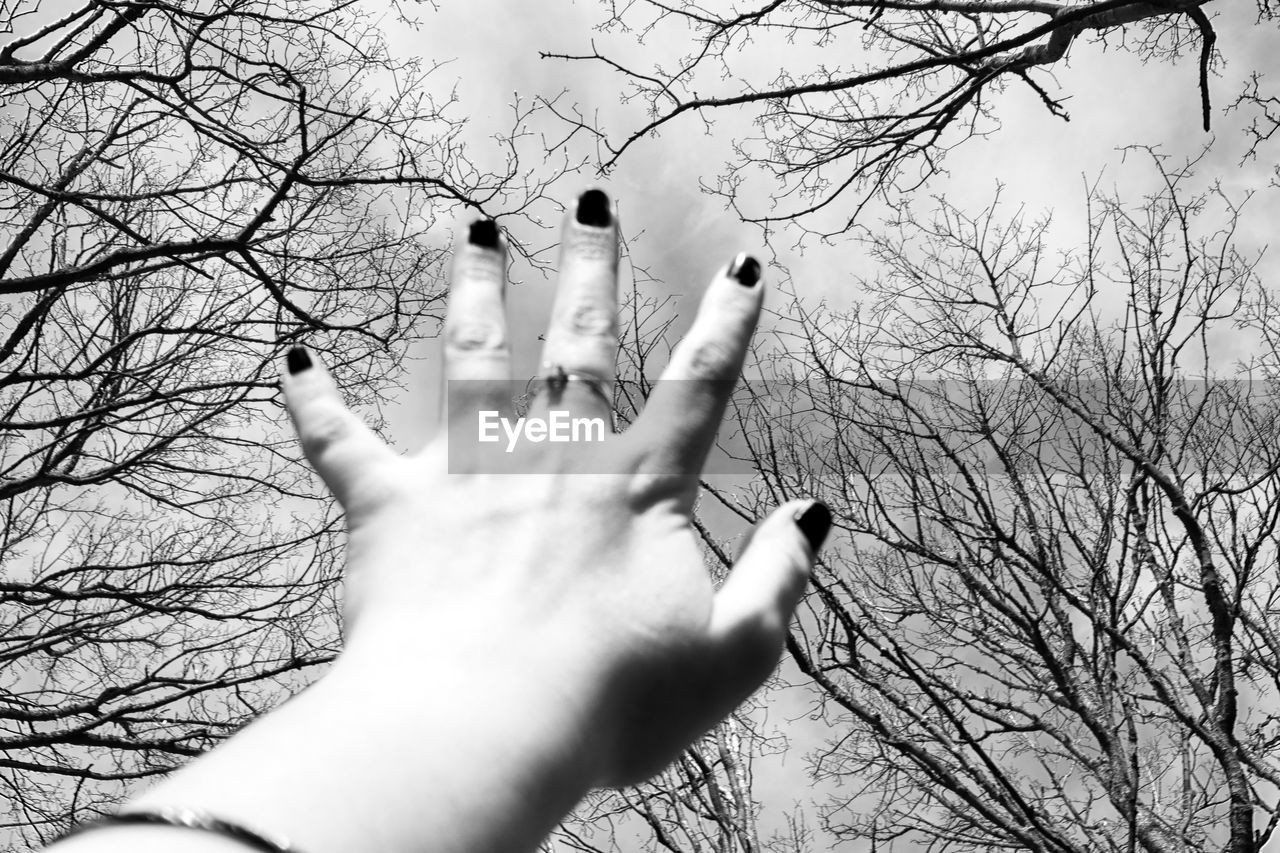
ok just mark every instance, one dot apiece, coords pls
pixel 712 360
pixel 649 487
pixel 591 320
pixel 369 490
pixel 480 277
pixel 322 431
pixel 479 267
pixel 473 336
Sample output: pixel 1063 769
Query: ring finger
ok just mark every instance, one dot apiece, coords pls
pixel 578 359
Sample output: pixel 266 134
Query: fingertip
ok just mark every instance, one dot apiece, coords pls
pixel 485 234
pixel 479 253
pixel 590 231
pixel 301 372
pixel 813 520
pixel 341 447
pixel 791 539
pixel 730 308
pixel 595 209
pixel 797 525
pixel 745 270
pixel 770 576
pixel 297 360
pixel 743 282
pixel 308 388
pixel 755 606
pixel 298 365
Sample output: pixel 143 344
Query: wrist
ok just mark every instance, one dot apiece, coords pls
pixel 370 758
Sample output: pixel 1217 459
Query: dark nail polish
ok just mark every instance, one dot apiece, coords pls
pixel 815 523
pixel 298 360
pixel 745 269
pixel 593 209
pixel 484 233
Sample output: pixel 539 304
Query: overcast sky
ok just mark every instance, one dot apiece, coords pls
pixel 1114 100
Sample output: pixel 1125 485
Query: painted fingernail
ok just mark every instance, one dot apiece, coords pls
pixel 745 269
pixel 593 209
pixel 814 522
pixel 298 360
pixel 484 233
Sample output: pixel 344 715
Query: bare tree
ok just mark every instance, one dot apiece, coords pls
pixel 701 803
pixel 892 86
pixel 1050 622
pixel 185 191
pixel 1262 106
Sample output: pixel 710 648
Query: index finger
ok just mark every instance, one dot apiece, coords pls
pixel 680 419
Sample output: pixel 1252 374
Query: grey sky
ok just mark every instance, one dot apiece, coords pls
pixel 1114 100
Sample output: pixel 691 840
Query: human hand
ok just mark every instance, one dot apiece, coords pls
pixel 584 594
pixel 512 639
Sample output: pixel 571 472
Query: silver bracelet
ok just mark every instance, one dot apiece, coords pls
pixel 190 819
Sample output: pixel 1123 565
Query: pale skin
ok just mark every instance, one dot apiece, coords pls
pixel 513 640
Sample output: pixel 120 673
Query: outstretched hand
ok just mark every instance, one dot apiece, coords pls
pixel 586 597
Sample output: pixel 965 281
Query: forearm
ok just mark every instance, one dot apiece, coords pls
pixel 452 764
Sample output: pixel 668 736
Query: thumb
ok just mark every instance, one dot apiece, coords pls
pixel 753 608
pixel 338 444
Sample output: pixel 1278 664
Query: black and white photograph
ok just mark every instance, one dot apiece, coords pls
pixel 639 426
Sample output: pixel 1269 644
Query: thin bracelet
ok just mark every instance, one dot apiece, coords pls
pixel 190 819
